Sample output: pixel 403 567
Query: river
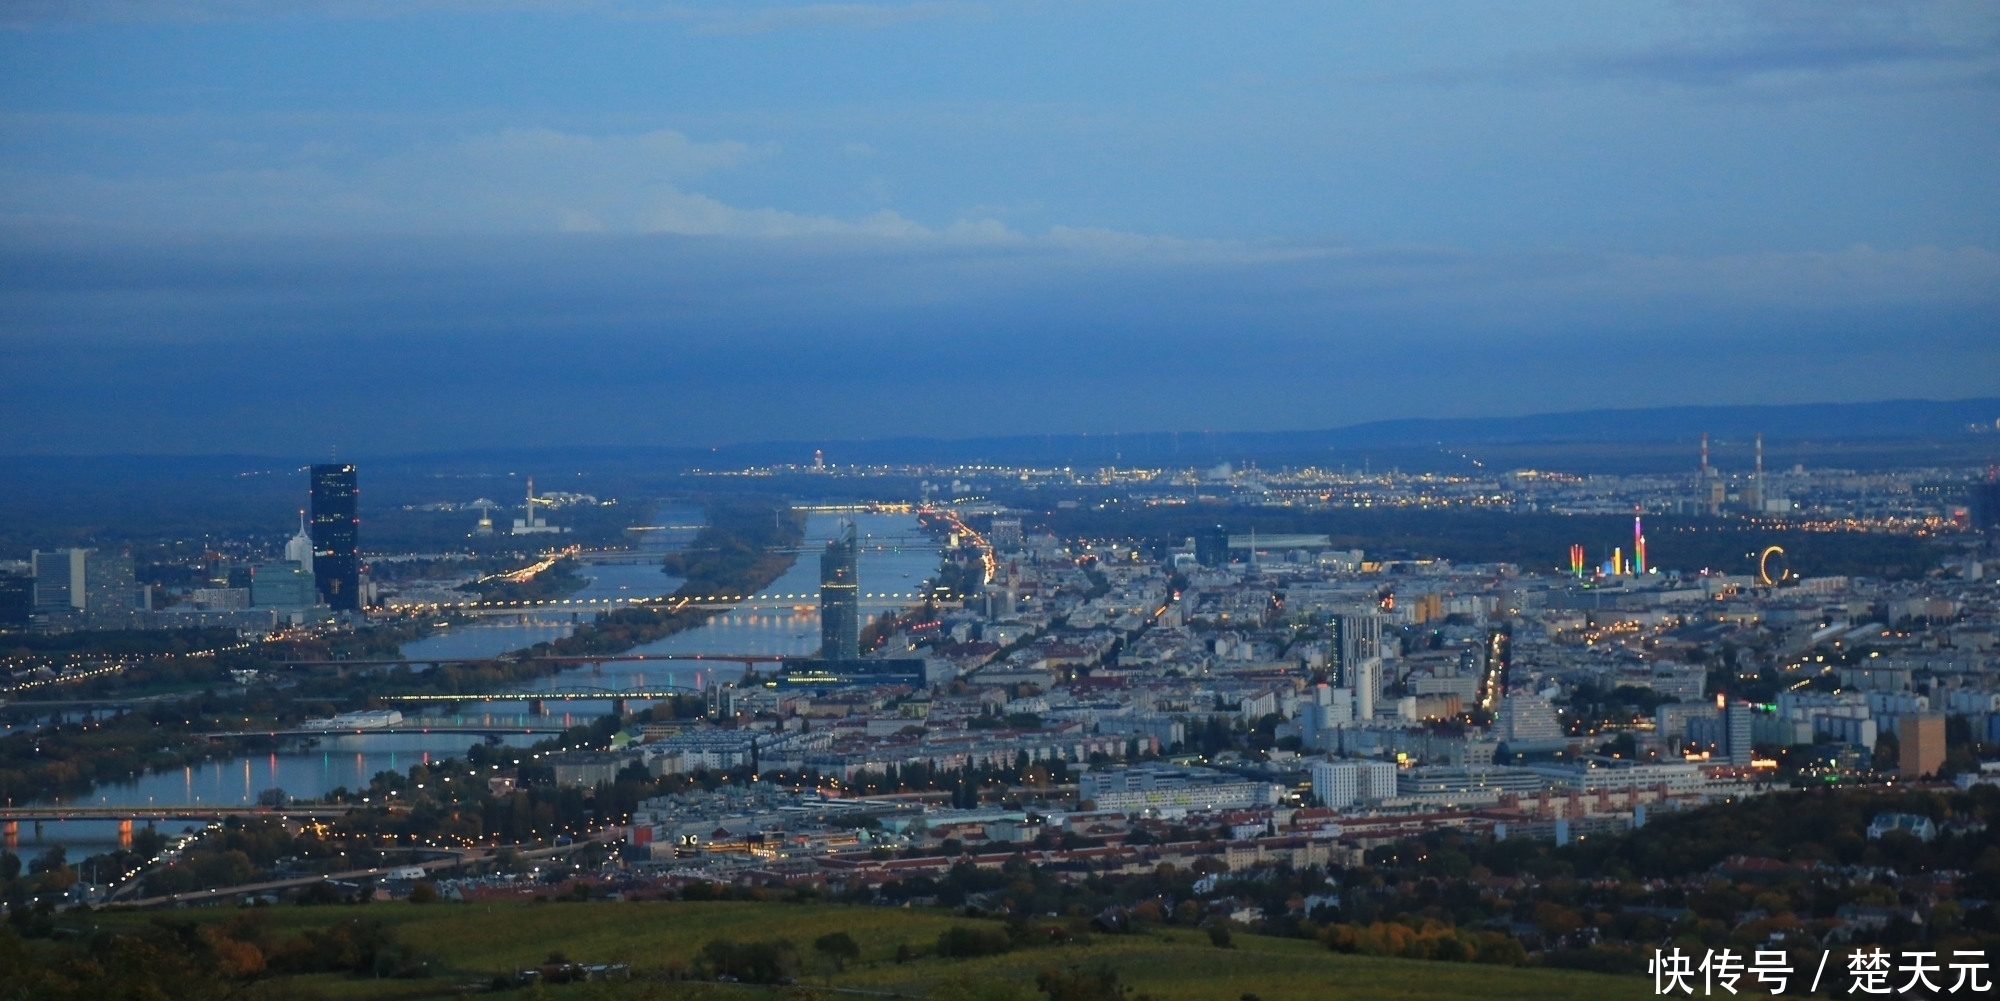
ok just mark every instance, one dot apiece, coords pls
pixel 896 558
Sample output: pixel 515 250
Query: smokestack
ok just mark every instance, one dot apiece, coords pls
pixel 1704 453
pixel 1760 459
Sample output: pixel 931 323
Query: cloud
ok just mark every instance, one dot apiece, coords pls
pixel 729 19
pixel 826 15
pixel 1775 46
pixel 511 180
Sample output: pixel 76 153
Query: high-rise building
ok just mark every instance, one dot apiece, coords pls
pixel 58 580
pixel 1920 744
pixel 1340 784
pixel 1005 533
pixel 1377 780
pixel 1527 720
pixel 109 587
pixel 1367 687
pixel 336 535
pixel 282 585
pixel 1337 784
pixel 840 598
pixel 17 600
pixel 88 587
pixel 1211 546
pixel 1739 732
pixel 1357 636
pixel 1985 511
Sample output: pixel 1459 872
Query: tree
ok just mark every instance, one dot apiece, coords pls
pixel 1075 984
pixel 839 947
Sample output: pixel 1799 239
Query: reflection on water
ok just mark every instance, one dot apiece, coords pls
pixel 491 636
pixel 347 761
pixel 888 565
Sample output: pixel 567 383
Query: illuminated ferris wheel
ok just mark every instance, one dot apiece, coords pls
pixel 1773 568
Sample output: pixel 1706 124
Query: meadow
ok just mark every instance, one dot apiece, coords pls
pixel 468 945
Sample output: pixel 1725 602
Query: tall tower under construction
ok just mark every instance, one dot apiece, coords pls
pixel 840 598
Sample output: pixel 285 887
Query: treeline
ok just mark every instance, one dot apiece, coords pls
pixel 117 642
pixel 182 959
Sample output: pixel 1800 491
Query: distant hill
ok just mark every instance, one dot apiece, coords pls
pixel 1410 440
pixel 1781 424
pixel 1881 419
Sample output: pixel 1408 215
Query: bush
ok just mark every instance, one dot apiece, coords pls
pixel 963 942
pixel 750 962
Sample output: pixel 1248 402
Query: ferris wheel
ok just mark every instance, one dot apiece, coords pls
pixel 1773 568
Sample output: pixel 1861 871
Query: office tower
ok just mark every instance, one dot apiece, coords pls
pixel 1920 744
pixel 336 535
pixel 17 600
pixel 87 587
pixel 1357 636
pixel 282 585
pixel 840 598
pixel 58 581
pixel 1737 719
pixel 109 586
pixel 1985 511
pixel 1752 495
pixel 1211 546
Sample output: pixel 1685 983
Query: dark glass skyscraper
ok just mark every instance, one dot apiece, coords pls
pixel 840 598
pixel 1211 546
pixel 336 536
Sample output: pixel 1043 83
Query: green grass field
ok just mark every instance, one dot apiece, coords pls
pixel 474 942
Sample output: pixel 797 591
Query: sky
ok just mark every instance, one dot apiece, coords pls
pixel 284 227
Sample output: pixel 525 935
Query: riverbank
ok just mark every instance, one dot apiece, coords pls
pixel 741 550
pixel 747 544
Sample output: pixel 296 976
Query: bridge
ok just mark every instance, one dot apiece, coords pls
pixel 603 658
pixel 451 728
pixel 155 811
pixel 804 601
pixel 619 698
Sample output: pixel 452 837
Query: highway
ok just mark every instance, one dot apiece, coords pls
pixel 431 866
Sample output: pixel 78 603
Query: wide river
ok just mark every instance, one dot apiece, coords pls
pixel 896 559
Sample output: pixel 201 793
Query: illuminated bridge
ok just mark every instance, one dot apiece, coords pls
pixel 801 602
pixel 152 811
pixel 745 659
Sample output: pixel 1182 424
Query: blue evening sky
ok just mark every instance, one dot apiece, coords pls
pixel 237 225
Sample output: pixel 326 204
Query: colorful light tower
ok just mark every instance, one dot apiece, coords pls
pixel 1576 559
pixel 1638 547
